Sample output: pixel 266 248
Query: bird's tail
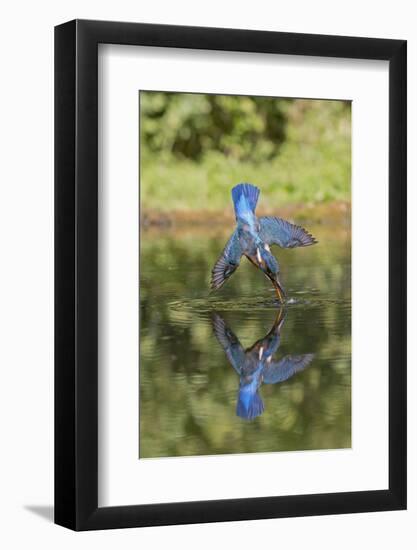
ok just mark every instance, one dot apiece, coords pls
pixel 245 198
pixel 249 405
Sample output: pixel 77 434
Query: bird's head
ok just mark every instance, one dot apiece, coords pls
pixel 269 265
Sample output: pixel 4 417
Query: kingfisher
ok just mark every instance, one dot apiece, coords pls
pixel 255 365
pixel 253 238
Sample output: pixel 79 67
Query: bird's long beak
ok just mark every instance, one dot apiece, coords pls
pixel 279 321
pixel 279 290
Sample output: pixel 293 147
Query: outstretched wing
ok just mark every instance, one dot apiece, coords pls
pixel 287 367
pixel 229 342
pixel 283 233
pixel 227 263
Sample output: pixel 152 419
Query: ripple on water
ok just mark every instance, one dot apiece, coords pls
pixel 301 299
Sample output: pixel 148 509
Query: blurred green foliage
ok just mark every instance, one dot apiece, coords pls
pixel 190 125
pixel 195 147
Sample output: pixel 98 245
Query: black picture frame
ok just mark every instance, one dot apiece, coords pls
pixel 76 272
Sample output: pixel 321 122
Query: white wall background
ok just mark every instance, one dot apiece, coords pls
pixel 26 286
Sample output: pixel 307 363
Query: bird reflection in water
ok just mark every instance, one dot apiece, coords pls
pixel 255 365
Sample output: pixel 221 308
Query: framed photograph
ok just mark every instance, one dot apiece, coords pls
pixel 230 252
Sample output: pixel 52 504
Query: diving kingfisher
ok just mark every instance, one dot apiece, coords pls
pixel 253 237
pixel 255 365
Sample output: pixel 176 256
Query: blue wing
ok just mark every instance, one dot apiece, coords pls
pixel 229 342
pixel 284 234
pixel 286 368
pixel 227 263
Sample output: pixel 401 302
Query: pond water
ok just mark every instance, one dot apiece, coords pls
pixel 196 361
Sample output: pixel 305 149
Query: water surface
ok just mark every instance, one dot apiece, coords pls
pixel 188 386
